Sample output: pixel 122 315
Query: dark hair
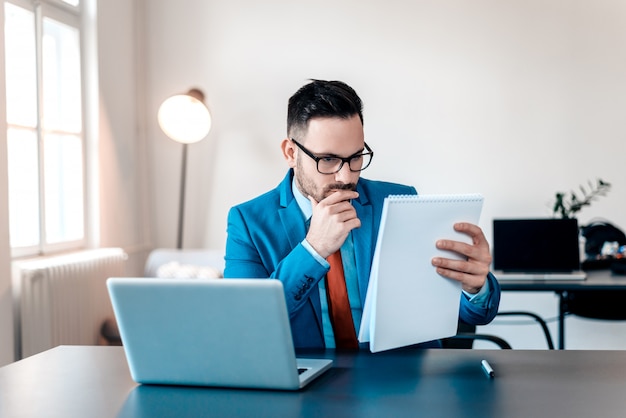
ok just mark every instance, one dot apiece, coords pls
pixel 321 98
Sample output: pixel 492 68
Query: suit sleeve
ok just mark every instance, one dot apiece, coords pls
pixel 481 314
pixel 253 256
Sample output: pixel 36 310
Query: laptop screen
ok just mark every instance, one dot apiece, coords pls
pixel 547 245
pixel 194 332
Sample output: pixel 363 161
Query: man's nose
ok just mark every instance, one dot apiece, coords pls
pixel 344 174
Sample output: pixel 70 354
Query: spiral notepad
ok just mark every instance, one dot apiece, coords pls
pixel 407 302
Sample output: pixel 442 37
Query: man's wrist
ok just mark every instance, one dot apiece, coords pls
pixel 314 253
pixel 482 295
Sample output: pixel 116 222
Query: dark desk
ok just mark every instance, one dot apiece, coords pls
pixel 596 280
pixel 81 382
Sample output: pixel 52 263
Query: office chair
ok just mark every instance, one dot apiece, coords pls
pixel 542 323
pixel 466 334
pixel 591 304
pixel 595 304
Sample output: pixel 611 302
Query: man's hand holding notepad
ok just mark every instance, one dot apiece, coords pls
pixel 407 302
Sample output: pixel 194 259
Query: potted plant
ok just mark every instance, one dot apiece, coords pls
pixel 568 205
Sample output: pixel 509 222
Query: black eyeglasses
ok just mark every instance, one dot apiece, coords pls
pixel 331 164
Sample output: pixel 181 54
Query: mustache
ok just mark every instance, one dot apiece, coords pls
pixel 341 186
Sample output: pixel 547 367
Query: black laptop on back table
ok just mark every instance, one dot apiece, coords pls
pixel 536 249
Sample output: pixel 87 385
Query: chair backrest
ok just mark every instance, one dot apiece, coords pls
pixel 596 304
pixel 466 335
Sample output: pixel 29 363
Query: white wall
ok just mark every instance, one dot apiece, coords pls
pixel 124 214
pixel 513 99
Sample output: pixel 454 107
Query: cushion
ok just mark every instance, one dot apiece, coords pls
pixel 176 270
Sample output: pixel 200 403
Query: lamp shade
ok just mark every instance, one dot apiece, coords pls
pixel 185 118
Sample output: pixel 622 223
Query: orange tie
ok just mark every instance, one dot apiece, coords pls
pixel 339 305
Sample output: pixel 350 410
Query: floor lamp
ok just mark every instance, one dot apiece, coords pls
pixel 185 119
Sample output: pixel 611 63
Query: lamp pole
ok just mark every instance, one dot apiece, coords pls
pixel 186 119
pixel 181 202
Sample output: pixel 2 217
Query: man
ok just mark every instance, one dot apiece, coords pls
pixel 323 209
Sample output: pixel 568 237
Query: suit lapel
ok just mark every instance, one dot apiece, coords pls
pixel 290 214
pixel 363 244
pixel 293 224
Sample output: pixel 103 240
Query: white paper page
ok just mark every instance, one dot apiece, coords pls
pixel 407 301
pixel 370 296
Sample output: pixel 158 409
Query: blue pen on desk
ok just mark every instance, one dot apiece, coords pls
pixel 487 368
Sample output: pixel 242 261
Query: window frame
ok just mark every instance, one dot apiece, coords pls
pixel 71 16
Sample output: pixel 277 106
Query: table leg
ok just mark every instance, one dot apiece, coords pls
pixel 562 309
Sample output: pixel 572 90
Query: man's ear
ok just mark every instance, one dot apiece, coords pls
pixel 289 152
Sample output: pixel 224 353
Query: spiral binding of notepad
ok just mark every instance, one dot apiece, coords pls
pixel 436 198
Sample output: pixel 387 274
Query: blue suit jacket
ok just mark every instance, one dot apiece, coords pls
pixel 264 241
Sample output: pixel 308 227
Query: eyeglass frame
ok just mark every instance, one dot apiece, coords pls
pixel 343 160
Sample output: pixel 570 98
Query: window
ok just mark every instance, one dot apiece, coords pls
pixel 45 135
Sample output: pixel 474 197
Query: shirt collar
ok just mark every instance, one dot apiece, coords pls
pixel 303 202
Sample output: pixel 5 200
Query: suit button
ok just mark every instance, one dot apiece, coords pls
pixel 298 297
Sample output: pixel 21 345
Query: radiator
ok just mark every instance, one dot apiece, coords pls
pixel 63 300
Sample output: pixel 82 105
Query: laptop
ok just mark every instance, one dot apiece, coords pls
pixel 226 333
pixel 536 249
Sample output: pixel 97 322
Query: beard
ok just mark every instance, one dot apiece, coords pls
pixel 307 186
